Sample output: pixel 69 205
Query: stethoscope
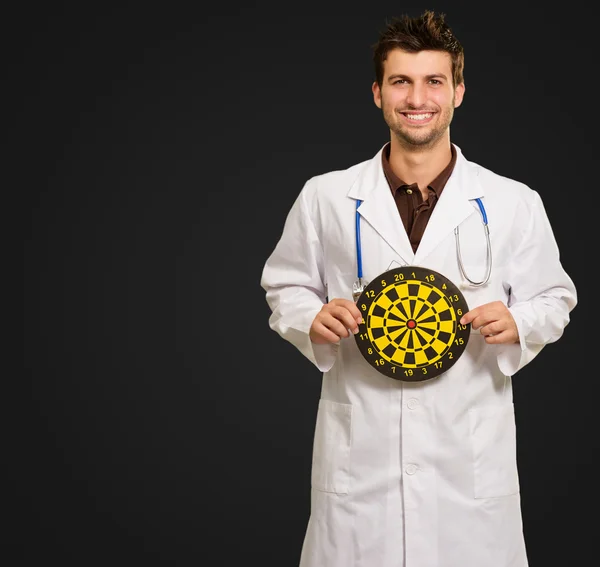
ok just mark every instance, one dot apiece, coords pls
pixel 359 285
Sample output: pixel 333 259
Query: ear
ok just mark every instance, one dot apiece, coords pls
pixel 459 93
pixel 376 94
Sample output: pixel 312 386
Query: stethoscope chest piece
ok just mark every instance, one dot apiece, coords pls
pixel 411 327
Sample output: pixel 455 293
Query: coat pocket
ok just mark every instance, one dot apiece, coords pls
pixel 494 443
pixel 331 448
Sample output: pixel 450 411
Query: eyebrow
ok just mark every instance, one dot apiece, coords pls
pixel 428 77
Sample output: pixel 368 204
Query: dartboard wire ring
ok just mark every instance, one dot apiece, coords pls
pixel 415 335
pixel 408 317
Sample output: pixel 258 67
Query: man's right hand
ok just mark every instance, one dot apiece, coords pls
pixel 335 321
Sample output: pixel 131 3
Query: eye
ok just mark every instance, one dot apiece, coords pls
pixel 399 81
pixel 435 82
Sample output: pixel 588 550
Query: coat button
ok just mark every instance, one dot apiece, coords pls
pixel 412 403
pixel 410 469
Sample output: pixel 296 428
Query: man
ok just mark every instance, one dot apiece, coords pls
pixel 419 470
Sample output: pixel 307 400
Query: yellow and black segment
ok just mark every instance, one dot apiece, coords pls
pixel 411 327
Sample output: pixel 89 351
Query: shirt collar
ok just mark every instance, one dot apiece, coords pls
pixel 437 185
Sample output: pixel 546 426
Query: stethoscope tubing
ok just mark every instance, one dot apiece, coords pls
pixel 358 242
pixel 456 233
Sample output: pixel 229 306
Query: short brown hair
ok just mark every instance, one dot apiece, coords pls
pixel 426 32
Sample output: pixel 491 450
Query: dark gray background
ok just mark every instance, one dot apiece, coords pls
pixel 159 152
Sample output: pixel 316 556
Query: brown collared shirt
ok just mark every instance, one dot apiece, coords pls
pixel 414 211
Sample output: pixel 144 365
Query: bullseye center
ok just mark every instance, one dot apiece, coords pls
pixel 411 323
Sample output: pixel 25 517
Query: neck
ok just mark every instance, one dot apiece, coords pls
pixel 419 165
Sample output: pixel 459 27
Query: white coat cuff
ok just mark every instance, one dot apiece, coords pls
pixel 510 359
pixel 513 357
pixel 322 356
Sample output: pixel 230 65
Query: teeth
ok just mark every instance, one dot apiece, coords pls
pixel 419 116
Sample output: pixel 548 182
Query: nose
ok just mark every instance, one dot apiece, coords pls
pixel 416 95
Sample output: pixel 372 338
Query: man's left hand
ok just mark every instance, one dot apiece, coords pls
pixel 494 321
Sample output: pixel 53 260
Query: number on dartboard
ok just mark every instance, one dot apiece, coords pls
pixel 410 321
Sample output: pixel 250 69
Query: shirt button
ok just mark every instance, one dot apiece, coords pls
pixel 409 191
pixel 410 469
pixel 412 403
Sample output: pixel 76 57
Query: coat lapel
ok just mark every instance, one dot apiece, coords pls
pixel 454 206
pixel 378 208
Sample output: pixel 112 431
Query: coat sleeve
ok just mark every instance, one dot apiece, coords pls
pixel 541 293
pixel 294 281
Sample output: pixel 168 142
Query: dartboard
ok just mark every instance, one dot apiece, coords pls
pixel 411 327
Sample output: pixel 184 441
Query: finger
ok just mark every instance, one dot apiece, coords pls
pixel 337 326
pixel 321 334
pixel 351 307
pixel 475 322
pixel 469 316
pixel 483 319
pixel 493 311
pixel 500 338
pixel 492 328
pixel 355 312
pixel 344 316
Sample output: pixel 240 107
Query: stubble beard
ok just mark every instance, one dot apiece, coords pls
pixel 419 139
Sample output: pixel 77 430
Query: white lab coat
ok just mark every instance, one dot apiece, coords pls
pixel 418 474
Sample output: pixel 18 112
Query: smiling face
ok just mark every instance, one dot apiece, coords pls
pixel 417 96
